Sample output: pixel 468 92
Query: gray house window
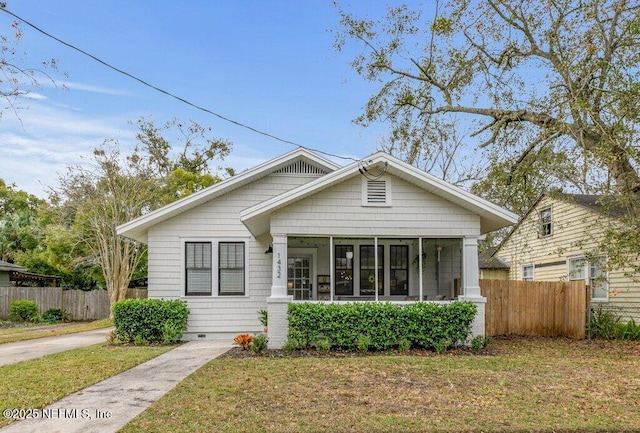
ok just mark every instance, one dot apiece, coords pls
pixel 399 269
pixel 198 268
pixel 344 269
pixel 368 269
pixel 231 268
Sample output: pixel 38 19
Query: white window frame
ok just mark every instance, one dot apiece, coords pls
pixel 215 262
pixel 587 275
pixel 542 223
pixel 528 265
pixel 365 192
pixel 602 259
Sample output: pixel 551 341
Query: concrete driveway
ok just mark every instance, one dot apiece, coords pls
pixel 19 351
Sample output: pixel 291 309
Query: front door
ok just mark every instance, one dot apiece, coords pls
pixel 299 273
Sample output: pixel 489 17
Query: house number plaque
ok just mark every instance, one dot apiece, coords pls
pixel 279 267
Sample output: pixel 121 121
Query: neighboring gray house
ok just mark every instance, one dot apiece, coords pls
pixel 300 227
pixel 5 272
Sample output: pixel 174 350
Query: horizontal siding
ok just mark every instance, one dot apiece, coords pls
pixel 338 211
pixel 219 218
pixel 576 232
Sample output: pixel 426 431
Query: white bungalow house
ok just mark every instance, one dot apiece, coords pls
pixel 301 228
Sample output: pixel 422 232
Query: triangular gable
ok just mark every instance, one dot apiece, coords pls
pixel 492 216
pixel 588 202
pixel 298 161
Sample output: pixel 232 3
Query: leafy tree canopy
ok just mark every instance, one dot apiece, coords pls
pixel 547 91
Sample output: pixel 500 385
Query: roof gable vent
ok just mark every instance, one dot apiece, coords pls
pixel 376 192
pixel 301 167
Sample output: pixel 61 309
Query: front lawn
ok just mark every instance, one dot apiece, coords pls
pixel 19 331
pixel 39 382
pixel 516 385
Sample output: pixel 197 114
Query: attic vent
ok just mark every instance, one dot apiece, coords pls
pixel 376 193
pixel 301 167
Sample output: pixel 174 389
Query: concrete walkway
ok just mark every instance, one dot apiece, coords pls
pixel 111 404
pixel 10 353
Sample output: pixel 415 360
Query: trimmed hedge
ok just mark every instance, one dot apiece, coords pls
pixel 144 321
pixel 23 310
pixel 426 325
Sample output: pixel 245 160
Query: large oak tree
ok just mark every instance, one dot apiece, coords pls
pixel 549 90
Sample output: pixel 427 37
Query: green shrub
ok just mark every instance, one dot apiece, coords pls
pixel 480 342
pixel 264 317
pixel 291 345
pixel 363 343
pixel 150 320
pixel 55 315
pixel 603 324
pixel 22 310
pixel 404 345
pixel 627 331
pixel 259 343
pixel 427 325
pixel 323 345
pixel 171 333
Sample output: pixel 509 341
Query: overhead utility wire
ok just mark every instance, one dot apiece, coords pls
pixel 120 71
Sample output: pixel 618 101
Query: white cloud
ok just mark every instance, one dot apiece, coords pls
pixel 34 96
pixel 91 88
pixel 38 146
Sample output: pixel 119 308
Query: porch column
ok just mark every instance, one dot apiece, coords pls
pixel 420 270
pixel 278 302
pixel 279 270
pixel 471 283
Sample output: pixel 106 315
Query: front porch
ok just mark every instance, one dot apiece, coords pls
pixel 349 269
pixel 344 268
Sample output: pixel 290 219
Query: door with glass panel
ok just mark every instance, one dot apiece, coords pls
pixel 299 283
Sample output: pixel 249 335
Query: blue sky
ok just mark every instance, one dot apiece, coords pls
pixel 267 64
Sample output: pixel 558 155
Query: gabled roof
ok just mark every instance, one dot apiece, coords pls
pixel 492 217
pixel 487 260
pixel 137 229
pixel 10 267
pixel 592 202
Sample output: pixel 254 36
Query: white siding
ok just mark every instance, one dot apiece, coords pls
pixel 217 317
pixel 338 211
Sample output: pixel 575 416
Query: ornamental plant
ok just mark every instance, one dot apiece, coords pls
pixel 427 325
pixel 144 321
pixel 243 340
pixel 22 310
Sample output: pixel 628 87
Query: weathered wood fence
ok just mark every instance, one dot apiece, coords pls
pixel 80 305
pixel 542 308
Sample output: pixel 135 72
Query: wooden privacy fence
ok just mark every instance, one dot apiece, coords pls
pixel 79 304
pixel 544 308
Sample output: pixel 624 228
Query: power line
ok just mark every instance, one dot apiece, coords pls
pixel 158 89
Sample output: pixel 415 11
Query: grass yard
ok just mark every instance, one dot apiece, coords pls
pixel 39 382
pixel 517 385
pixel 12 331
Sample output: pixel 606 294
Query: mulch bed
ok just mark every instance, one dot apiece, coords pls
pixel 239 353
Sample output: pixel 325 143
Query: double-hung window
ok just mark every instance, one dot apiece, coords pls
pixel 198 268
pixel 214 268
pixel 592 273
pixel 546 227
pixel 577 270
pixel 598 279
pixel 527 272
